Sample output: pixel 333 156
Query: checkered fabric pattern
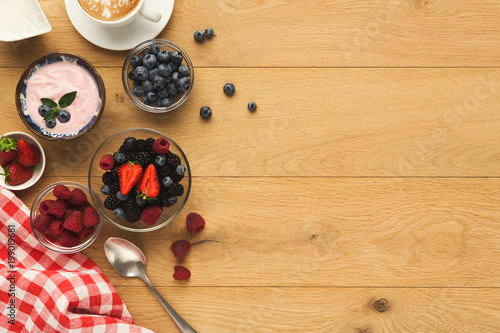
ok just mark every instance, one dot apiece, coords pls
pixel 44 291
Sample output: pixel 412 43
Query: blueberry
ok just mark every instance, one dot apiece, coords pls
pixel 106 190
pixel 141 73
pixel 50 123
pixel 132 76
pixel 174 67
pixel 252 106
pixel 209 32
pixel 162 93
pixel 43 110
pixel 205 112
pixel 136 61
pixel 145 100
pixel 147 85
pixel 137 83
pixel 151 97
pixel 138 91
pixel 153 49
pixel 165 70
pixel 184 70
pixel 167 181
pixel 172 89
pixel 64 116
pixel 166 102
pixel 140 201
pixel 176 58
pixel 129 143
pixel 153 73
pixel 175 77
pixel 149 61
pixel 163 56
pixel 121 197
pixel 229 89
pixel 183 84
pixel 159 83
pixel 172 200
pixel 120 158
pixel 199 36
pixel 180 170
pixel 160 160
pixel 157 103
pixel 118 213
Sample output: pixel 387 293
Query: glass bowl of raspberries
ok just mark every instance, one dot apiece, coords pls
pixel 63 219
pixel 158 75
pixel 142 177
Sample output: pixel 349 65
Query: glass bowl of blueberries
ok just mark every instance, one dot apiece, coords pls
pixel 158 75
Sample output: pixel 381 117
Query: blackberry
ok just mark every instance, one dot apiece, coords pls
pixel 142 145
pixel 132 211
pixel 145 158
pixel 111 202
pixel 114 187
pixel 114 173
pixel 107 178
pixel 163 172
pixel 172 159
pixel 150 142
pixel 175 176
pixel 163 199
pixel 175 190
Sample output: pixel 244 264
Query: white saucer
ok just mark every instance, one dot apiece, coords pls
pixel 122 38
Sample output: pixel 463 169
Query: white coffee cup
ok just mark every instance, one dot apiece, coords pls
pixel 141 10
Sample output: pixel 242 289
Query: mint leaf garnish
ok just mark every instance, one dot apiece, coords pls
pixel 52 114
pixel 48 102
pixel 67 99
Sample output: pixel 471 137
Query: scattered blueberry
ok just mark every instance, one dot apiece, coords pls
pixel 162 93
pixel 199 36
pixel 184 70
pixel 252 106
pixel 140 201
pixel 141 73
pixel 149 61
pixel 121 197
pixel 64 116
pixel 167 181
pixel 43 110
pixel 176 58
pixel 205 112
pixel 105 189
pixel 172 89
pixel 153 49
pixel 209 32
pixel 180 170
pixel 120 158
pixel 229 89
pixel 165 70
pixel 159 83
pixel 160 160
pixel 129 143
pixel 153 73
pixel 118 213
pixel 166 102
pixel 151 97
pixel 138 91
pixel 163 56
pixel 175 77
pixel 183 84
pixel 50 123
pixel 172 200
pixel 147 85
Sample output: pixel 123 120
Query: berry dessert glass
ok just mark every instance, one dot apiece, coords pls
pixel 50 242
pixel 142 177
pixel 158 75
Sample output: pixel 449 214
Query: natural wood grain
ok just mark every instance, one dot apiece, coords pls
pixel 327 232
pixel 344 122
pixel 245 310
pixel 291 33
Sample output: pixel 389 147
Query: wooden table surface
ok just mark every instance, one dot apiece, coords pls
pixel 363 194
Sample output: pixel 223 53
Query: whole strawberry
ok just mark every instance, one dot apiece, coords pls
pixel 16 174
pixel 181 273
pixel 180 248
pixel 8 150
pixel 28 154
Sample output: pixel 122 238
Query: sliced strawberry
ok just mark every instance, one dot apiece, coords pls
pixel 130 174
pixel 149 185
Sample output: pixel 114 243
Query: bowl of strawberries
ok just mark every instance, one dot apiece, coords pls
pixel 63 219
pixel 142 177
pixel 22 159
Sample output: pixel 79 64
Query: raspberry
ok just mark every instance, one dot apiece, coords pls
pixel 151 214
pixel 55 228
pixel 180 248
pixel 111 202
pixel 58 208
pixel 181 273
pixel 78 197
pixel 61 192
pixel 68 213
pixel 161 145
pixel 74 222
pixel 41 222
pixel 69 239
pixel 107 162
pixel 86 232
pixel 45 205
pixel 90 217
pixel 195 223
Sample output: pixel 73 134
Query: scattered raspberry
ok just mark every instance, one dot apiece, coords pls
pixel 62 192
pixel 90 217
pixel 151 214
pixel 69 239
pixel 78 197
pixel 107 162
pixel 161 145
pixel 68 213
pixel 181 273
pixel 45 205
pixel 180 248
pixel 195 223
pixel 41 222
pixel 55 228
pixel 86 232
pixel 74 222
pixel 58 208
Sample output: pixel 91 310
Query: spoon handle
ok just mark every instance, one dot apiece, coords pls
pixel 181 323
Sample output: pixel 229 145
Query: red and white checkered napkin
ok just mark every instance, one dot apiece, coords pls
pixel 44 291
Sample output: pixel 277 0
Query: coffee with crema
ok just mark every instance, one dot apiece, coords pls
pixel 109 10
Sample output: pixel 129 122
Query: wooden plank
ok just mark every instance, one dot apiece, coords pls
pixel 345 122
pixel 327 232
pixel 334 33
pixel 239 310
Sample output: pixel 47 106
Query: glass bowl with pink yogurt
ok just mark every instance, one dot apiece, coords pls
pixel 53 76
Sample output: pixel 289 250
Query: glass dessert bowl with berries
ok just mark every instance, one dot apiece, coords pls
pixel 142 177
